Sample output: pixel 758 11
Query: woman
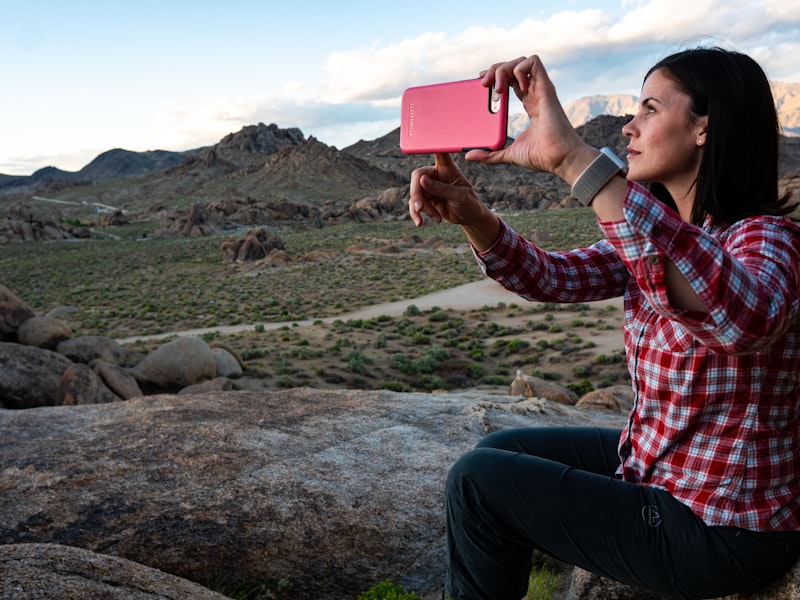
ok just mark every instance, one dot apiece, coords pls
pixel 699 496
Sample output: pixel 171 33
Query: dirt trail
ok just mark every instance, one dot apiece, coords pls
pixel 485 292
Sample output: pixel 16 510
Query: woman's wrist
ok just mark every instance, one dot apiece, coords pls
pixel 484 231
pixel 575 162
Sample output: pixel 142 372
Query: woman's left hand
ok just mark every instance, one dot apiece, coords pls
pixel 550 142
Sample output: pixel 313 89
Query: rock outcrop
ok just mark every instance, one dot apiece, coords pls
pixel 56 572
pixel 20 225
pixel 41 364
pixel 333 491
pixel 328 492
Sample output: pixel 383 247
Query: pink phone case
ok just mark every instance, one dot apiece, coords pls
pixel 453 117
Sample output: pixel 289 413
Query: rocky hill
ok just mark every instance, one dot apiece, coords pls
pixel 277 174
pixel 584 110
pixel 110 165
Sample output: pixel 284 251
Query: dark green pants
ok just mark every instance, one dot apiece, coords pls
pixel 553 489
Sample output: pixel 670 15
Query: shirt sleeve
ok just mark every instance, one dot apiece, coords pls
pixel 747 275
pixel 583 275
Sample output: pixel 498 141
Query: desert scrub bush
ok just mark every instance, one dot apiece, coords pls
pixel 582 371
pixel 477 353
pixel 425 364
pixel 615 357
pixel 396 386
pixel 431 383
pixel 420 339
pixel 305 353
pixel 357 361
pixel 546 375
pixel 543 584
pixel 412 311
pixel 452 324
pixel 582 387
pixel 252 353
pixel 497 380
pixel 517 345
pixel 281 366
pixel 285 382
pixel 386 590
pixel 475 371
pixel 497 330
pixel 438 316
pixel 342 342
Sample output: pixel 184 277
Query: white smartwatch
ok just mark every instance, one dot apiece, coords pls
pixel 597 175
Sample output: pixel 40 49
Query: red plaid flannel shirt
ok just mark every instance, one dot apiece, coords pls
pixel 716 421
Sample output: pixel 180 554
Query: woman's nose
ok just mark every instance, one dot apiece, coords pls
pixel 627 129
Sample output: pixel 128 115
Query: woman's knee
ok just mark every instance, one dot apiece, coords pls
pixel 473 471
pixel 505 439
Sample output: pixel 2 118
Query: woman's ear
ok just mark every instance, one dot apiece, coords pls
pixel 702 130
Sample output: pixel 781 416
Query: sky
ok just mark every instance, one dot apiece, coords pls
pixel 81 77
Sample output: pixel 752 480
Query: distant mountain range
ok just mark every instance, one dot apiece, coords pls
pixel 265 161
pixel 583 110
pixel 112 164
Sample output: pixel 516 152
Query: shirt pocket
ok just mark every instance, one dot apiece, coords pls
pixel 671 336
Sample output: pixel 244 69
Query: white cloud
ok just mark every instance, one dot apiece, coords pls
pixel 382 71
pixel 786 10
pixel 594 41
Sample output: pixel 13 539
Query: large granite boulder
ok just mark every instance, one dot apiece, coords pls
pixel 30 376
pixel 177 364
pixel 43 332
pixel 13 312
pixel 327 491
pixel 333 491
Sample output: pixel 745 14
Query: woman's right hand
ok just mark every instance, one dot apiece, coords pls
pixel 443 193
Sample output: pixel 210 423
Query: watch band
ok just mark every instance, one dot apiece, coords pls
pixel 597 175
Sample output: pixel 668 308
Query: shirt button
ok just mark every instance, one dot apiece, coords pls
pixel 653 260
pixel 656 231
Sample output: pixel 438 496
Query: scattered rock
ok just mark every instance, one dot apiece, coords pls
pixel 20 225
pixel 43 332
pixel 535 387
pixel 218 384
pixel 118 380
pixel 615 397
pixel 30 376
pixel 89 349
pixel 13 312
pixel 80 385
pixel 227 365
pixel 182 362
pixel 255 246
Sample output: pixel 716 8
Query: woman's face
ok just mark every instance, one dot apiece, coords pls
pixel 665 139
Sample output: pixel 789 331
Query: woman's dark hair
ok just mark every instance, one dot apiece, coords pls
pixel 738 175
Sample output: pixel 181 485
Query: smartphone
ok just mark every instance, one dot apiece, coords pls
pixel 453 117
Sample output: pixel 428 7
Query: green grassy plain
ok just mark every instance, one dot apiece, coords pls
pixel 127 282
